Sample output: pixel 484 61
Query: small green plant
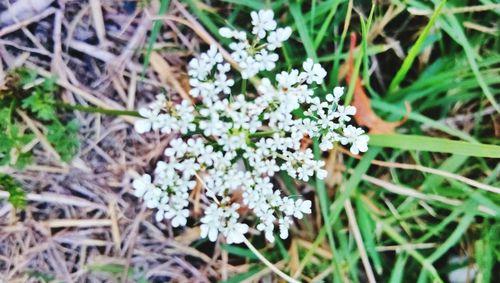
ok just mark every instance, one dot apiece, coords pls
pixel 13 140
pixel 40 104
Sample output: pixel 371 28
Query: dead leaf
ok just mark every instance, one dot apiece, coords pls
pixel 294 257
pixel 364 114
pixel 305 142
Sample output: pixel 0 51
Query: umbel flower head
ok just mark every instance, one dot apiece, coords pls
pixel 232 144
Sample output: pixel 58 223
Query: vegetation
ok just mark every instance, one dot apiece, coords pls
pixel 411 223
pixel 421 205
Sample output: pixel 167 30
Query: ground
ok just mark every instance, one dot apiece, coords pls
pixel 406 205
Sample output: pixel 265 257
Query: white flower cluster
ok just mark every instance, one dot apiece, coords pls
pixel 257 56
pixel 232 144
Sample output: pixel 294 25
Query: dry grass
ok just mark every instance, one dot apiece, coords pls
pixel 82 223
pixel 81 217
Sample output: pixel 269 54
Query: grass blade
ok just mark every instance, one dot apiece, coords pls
pixel 154 34
pixel 451 25
pixel 414 51
pixel 367 226
pixel 413 142
pixel 398 269
pixel 324 204
pixel 300 23
pixel 400 110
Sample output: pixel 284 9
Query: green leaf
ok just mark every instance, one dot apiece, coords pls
pixel 24 159
pixel 238 251
pixel 423 143
pixel 451 240
pixel 26 75
pixel 483 250
pixel 41 103
pixel 64 138
pixel 17 195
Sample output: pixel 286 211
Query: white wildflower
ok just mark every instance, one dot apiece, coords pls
pixel 276 38
pixel 357 139
pixel 343 113
pixel 266 60
pixel 262 21
pixel 312 72
pixel 143 125
pixel 142 185
pixel 233 143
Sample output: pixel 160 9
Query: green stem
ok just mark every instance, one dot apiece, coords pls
pixel 244 86
pixel 262 134
pixel 91 109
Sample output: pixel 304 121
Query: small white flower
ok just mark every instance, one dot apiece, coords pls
pixel 199 69
pixel 142 185
pixel 152 197
pixel 212 56
pixel 284 226
pixel 177 148
pixel 166 123
pixel 235 232
pixel 302 207
pixel 343 113
pixel 211 222
pixel 276 38
pixel 312 72
pixel 326 144
pixel 262 21
pixel 287 80
pixel 287 206
pixel 249 67
pixel 337 94
pixel 223 84
pixel 213 126
pixel 240 52
pixel 226 32
pixel 266 60
pixel 357 138
pixel 186 117
pixel 162 207
pixel 177 217
pixel 144 125
pixel 267 218
pixel 230 33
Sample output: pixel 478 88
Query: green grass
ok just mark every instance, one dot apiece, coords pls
pixel 448 73
pixel 415 50
pixel 155 31
pixel 458 79
pixel 412 223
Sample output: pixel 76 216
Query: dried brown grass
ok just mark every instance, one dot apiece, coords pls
pixel 82 215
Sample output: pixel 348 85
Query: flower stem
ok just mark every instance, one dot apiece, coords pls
pixel 262 134
pixel 268 263
pixel 91 109
pixel 244 86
